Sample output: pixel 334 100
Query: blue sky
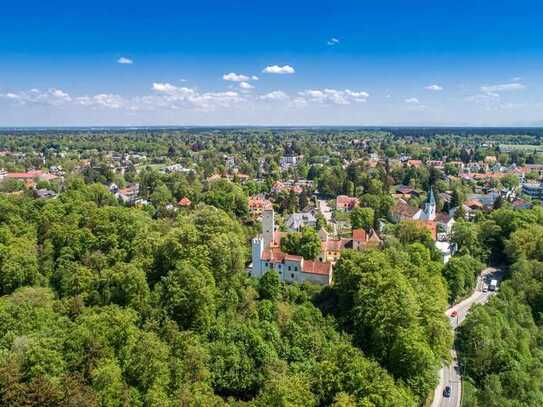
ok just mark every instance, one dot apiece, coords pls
pixel 412 62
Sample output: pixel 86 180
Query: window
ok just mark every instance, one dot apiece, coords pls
pixel 295 268
pixel 266 264
pixel 288 268
pixel 292 275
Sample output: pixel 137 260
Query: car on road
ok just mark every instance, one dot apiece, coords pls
pixel 485 288
pixel 447 391
pixel 454 314
pixel 493 286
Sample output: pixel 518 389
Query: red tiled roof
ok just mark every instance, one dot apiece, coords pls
pixel 359 234
pixel 344 201
pixel 128 191
pixel 277 236
pixel 473 203
pixel 257 202
pixel 316 267
pixel 403 210
pixel 47 177
pixel 184 201
pixel 414 163
pixel 334 245
pixel 273 254
pixel 293 257
pixel 24 175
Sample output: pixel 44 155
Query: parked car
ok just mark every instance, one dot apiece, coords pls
pixel 454 314
pixel 447 391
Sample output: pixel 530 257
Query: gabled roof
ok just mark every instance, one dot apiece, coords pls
pixel 344 201
pixel 184 201
pixel 359 234
pixel 317 267
pixel 374 237
pixel 403 210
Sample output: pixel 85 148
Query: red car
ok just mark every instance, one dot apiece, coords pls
pixel 454 313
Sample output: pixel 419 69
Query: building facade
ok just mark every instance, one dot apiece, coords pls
pixel 267 255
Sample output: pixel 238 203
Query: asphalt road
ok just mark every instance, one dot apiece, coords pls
pixel 450 375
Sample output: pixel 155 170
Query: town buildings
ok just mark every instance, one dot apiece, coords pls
pixel 267 255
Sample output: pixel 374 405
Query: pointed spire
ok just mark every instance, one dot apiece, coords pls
pixel 431 198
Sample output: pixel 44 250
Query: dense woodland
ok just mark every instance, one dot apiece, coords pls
pixel 501 342
pixel 103 305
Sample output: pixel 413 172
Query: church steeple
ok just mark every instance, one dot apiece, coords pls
pixel 430 206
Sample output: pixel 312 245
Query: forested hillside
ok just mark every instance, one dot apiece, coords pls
pixel 103 305
pixel 501 343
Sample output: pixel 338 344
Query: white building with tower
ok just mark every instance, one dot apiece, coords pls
pixel 267 255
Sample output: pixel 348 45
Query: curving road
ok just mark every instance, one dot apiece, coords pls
pixel 450 375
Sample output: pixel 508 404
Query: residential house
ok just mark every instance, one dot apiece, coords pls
pixel 129 195
pixel 402 211
pixel 288 161
pixel 360 240
pixel 184 202
pixel 346 203
pixel 299 220
pixel 257 203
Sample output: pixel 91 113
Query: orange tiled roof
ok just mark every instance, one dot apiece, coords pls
pixel 359 234
pixel 344 201
pixel 316 267
pixel 184 201
pixel 24 175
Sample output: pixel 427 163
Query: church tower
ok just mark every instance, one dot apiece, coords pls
pixel 430 206
pixel 268 226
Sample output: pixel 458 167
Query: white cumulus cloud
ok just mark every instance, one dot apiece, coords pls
pixel 175 97
pixel 52 97
pixel 275 96
pixel 125 61
pixel 234 77
pixel 276 69
pixel 333 41
pixel 246 85
pixel 333 96
pixel 105 100
pixel 434 88
pixel 412 101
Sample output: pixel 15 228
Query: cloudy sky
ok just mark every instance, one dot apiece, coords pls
pixel 396 62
